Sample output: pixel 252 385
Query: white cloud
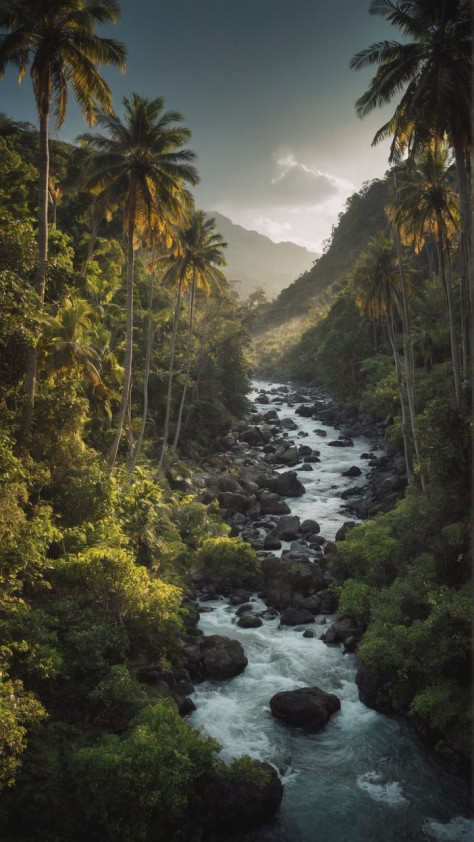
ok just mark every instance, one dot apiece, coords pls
pixel 294 201
pixel 277 231
pixel 300 185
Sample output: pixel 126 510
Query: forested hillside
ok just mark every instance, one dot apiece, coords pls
pixel 391 344
pixel 96 542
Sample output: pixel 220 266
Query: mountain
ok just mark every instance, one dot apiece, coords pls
pixel 254 260
pixel 363 216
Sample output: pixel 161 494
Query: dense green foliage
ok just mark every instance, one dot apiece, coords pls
pixel 93 565
pixel 395 342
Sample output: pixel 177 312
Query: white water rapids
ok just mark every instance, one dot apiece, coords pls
pixel 364 778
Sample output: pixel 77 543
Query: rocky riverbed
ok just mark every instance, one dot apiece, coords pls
pixel 269 671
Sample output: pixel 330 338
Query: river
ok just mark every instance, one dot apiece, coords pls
pixel 364 778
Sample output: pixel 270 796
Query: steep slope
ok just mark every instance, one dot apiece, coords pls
pixel 363 216
pixel 254 260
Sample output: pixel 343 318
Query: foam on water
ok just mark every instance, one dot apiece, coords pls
pixel 390 792
pixel 361 779
pixel 457 830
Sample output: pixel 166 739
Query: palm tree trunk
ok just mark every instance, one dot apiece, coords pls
pixel 467 271
pixel 146 374
pixel 408 362
pixel 29 386
pixel 401 397
pixel 127 374
pixel 170 376
pixel 188 362
pixel 446 283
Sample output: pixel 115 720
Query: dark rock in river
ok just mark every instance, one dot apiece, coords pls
pixel 344 529
pixel 308 707
pixel 249 621
pixel 353 471
pixel 288 527
pixel 342 631
pixel 272 540
pixel 287 484
pixel 272 504
pixel 296 617
pixel 215 657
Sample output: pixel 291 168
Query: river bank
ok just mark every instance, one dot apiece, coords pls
pixel 364 770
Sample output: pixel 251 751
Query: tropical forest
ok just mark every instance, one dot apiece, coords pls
pixel 235 533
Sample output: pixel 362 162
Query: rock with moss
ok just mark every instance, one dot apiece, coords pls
pixel 245 793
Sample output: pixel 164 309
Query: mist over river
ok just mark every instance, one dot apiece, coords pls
pixel 364 778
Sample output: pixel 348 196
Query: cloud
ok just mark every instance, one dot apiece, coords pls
pixel 277 231
pixel 288 200
pixel 300 185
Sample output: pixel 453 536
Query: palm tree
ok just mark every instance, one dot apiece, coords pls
pixel 140 167
pixel 425 206
pixel 378 297
pixel 196 267
pixel 56 38
pixel 432 71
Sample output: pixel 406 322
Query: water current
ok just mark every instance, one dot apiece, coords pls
pixel 364 778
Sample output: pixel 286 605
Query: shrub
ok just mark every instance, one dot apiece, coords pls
pixel 355 600
pixel 137 787
pixel 226 558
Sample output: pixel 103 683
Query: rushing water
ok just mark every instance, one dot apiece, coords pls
pixel 363 778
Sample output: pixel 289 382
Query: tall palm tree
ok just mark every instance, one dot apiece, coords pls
pixel 425 206
pixel 196 267
pixel 432 72
pixel 57 40
pixel 375 280
pixel 140 167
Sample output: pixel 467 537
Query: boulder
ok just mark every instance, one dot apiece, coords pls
pixel 235 501
pixel 300 549
pixel 287 484
pixel 344 529
pixel 328 601
pixel 296 617
pixel 288 527
pixel 222 657
pixel 310 527
pixel 249 621
pixel 289 456
pixel 227 482
pixel 341 631
pixel 311 603
pixel 353 471
pixel 272 540
pixel 252 436
pixel 272 504
pixel 308 707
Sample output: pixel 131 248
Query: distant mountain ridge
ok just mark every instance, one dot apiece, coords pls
pixel 364 215
pixel 254 260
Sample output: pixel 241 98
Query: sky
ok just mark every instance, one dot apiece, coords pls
pixel 266 89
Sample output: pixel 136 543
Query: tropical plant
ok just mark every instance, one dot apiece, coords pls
pixel 140 167
pixel 432 69
pixel 56 38
pixel 375 279
pixel 200 255
pixel 426 207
